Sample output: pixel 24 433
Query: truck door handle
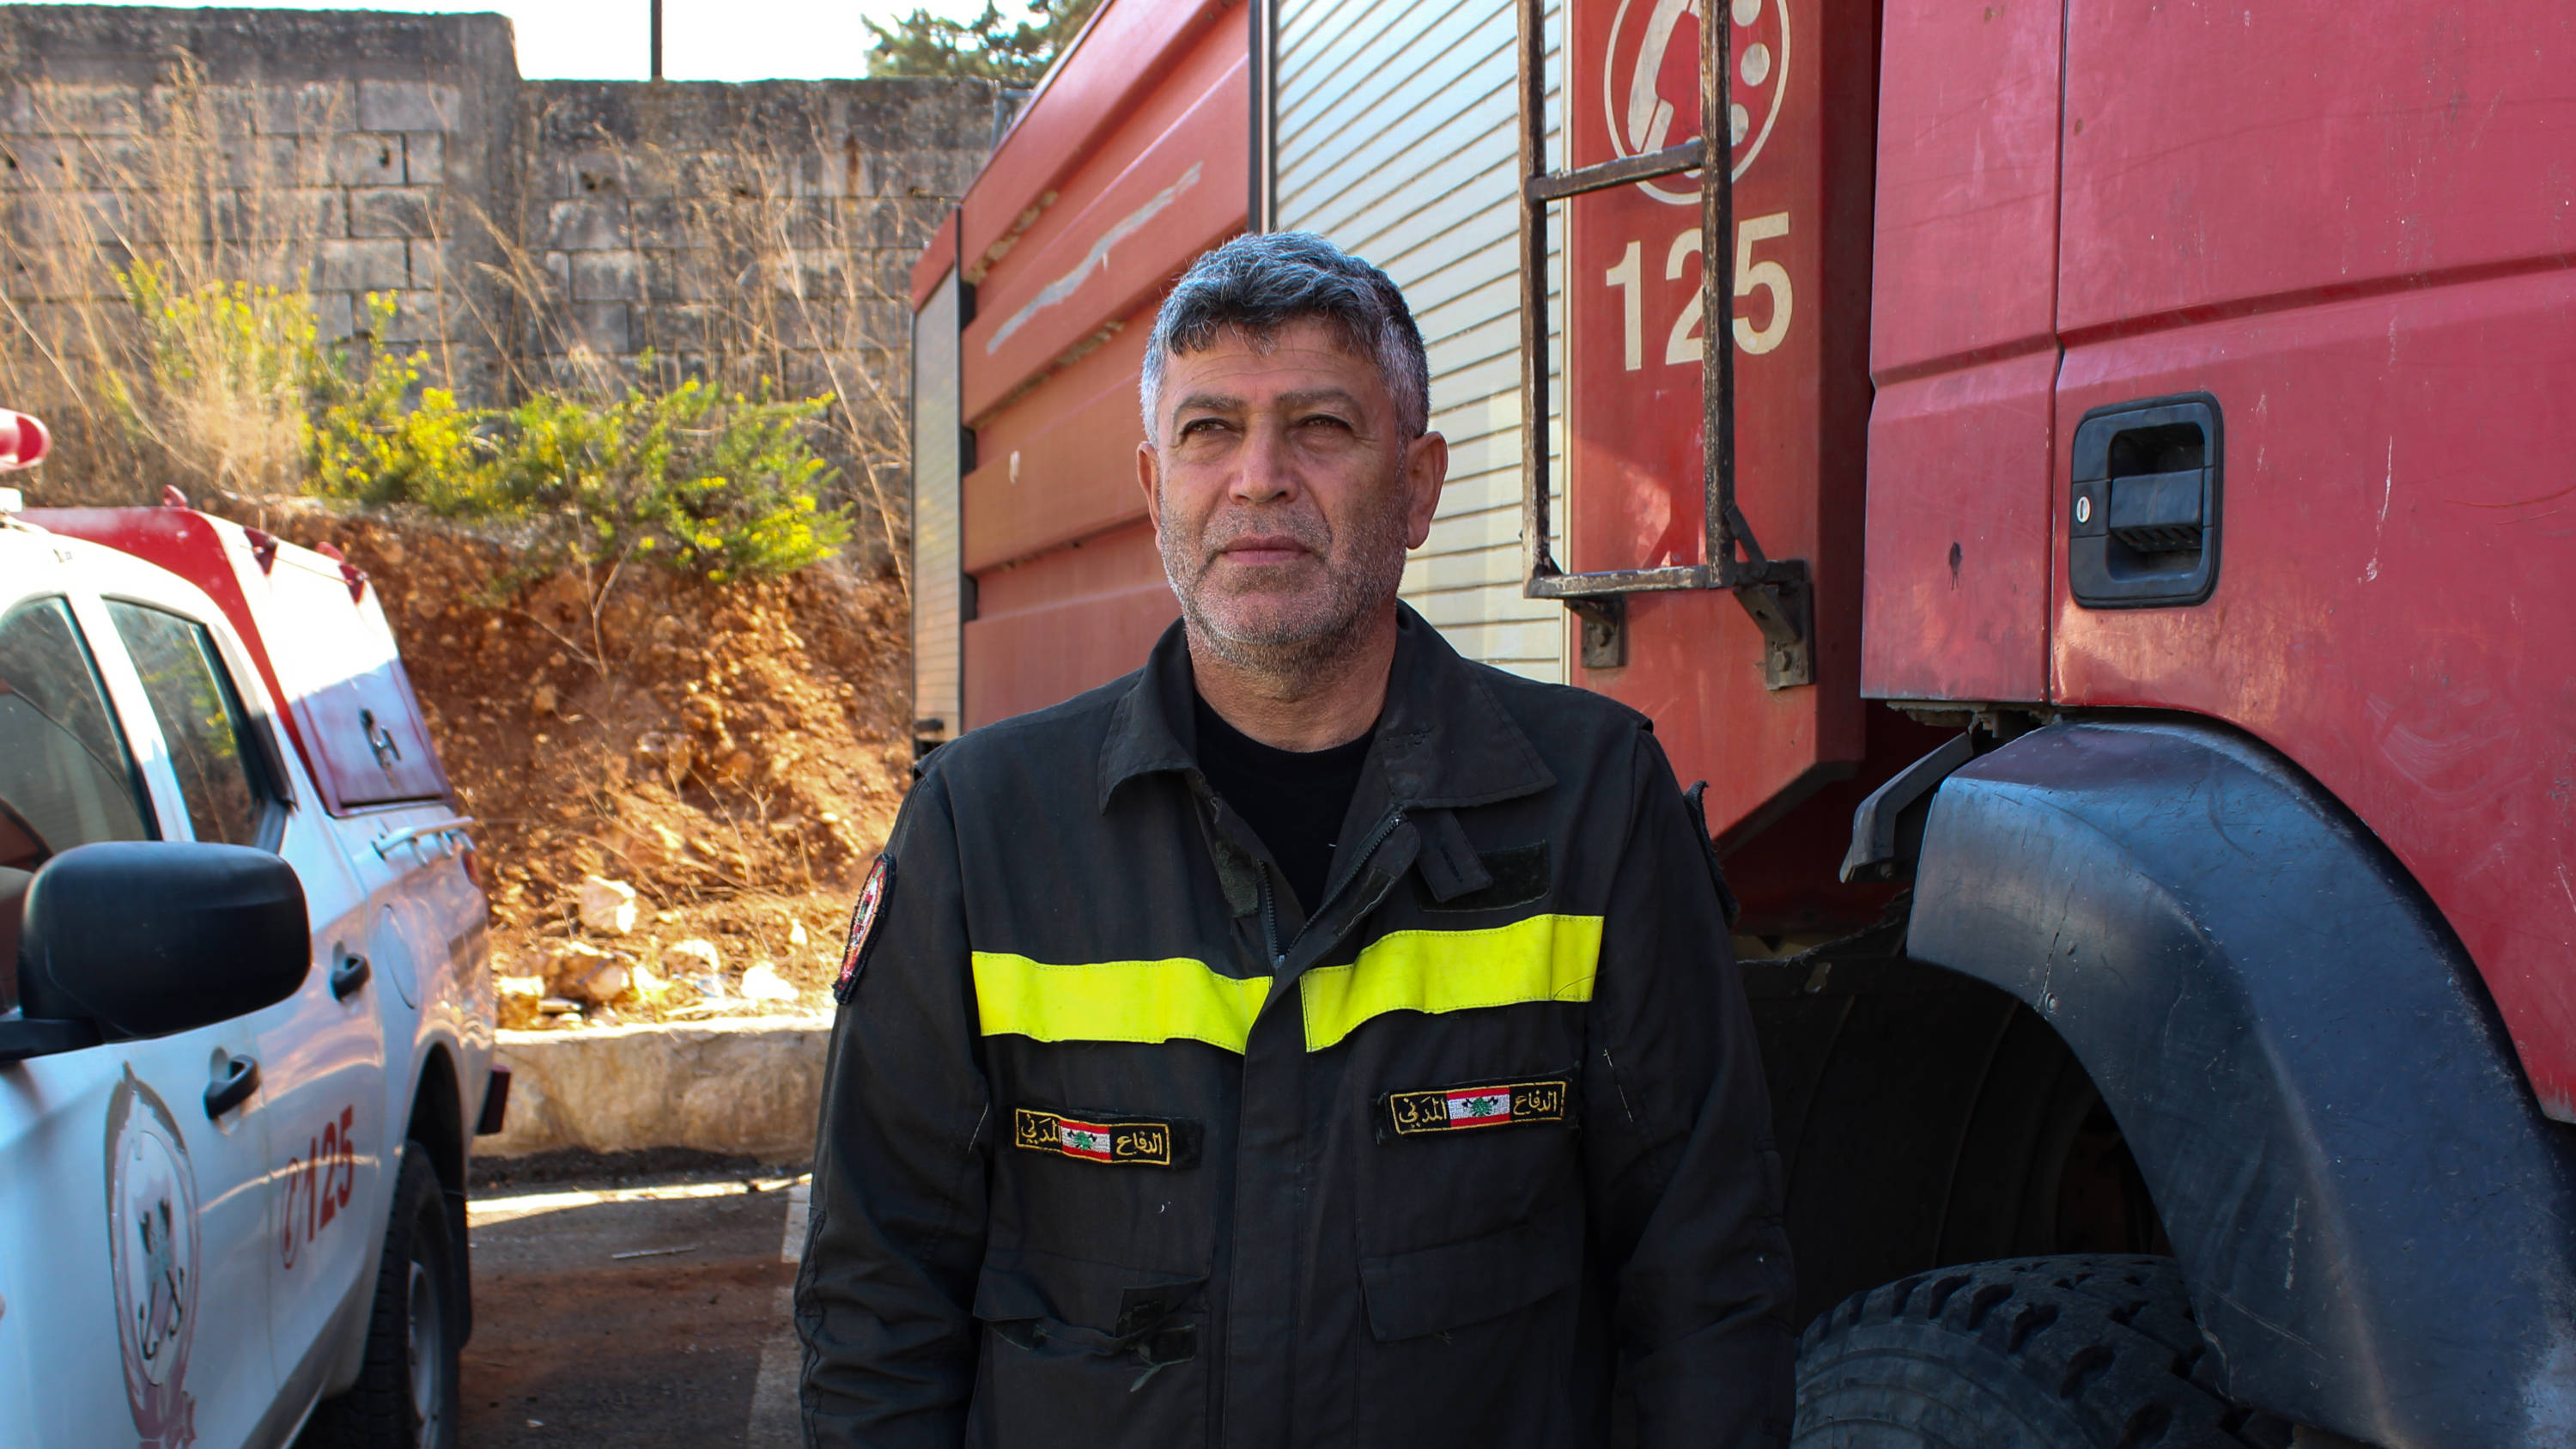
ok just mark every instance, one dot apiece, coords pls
pixel 2158 512
pixel 349 975
pixel 2143 507
pixel 236 1080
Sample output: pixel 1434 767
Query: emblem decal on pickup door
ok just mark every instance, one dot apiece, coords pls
pixel 1116 1141
pixel 152 1256
pixel 1491 1104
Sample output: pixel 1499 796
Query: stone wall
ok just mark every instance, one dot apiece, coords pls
pixel 361 150
pixel 683 217
pixel 530 234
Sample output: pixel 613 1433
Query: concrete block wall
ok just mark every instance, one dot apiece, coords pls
pixel 530 233
pixel 743 231
pixel 370 152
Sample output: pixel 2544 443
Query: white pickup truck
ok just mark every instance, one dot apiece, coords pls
pixel 246 1018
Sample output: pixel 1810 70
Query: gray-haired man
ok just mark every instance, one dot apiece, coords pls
pixel 1312 1038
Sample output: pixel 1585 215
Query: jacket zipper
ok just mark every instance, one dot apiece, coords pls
pixel 1269 916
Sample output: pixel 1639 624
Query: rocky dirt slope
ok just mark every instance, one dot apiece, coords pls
pixel 732 755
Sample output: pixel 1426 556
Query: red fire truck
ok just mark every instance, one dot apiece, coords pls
pixel 2082 482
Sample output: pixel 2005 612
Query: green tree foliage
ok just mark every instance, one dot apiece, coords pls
pixel 987 47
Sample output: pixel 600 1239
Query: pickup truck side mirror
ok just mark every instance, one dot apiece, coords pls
pixel 130 939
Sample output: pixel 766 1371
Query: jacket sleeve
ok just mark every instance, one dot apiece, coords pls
pixel 884 1297
pixel 1683 1176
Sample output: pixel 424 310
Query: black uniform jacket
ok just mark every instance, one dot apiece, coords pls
pixel 1117 1149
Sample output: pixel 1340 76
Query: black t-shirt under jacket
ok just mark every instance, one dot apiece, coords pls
pixel 1121 1146
pixel 1293 801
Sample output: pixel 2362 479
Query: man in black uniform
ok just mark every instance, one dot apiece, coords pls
pixel 1312 1038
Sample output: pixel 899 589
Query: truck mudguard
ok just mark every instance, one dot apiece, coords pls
pixel 2377 1223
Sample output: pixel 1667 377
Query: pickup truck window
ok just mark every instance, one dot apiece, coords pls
pixel 65 776
pixel 202 722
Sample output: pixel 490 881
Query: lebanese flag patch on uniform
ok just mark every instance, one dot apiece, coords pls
pixel 1487 1104
pixel 1119 1141
pixel 1082 1139
pixel 1475 1109
pixel 863 926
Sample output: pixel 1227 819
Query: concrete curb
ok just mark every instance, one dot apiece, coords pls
pixel 751 1086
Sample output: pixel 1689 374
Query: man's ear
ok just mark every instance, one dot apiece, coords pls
pixel 1426 470
pixel 1148 469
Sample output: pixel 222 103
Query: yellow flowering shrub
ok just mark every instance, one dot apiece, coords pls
pixel 724 486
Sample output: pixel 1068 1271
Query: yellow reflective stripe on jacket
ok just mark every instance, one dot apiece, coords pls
pixel 1544 958
pixel 1135 1001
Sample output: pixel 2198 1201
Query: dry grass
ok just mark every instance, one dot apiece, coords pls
pixel 205 396
pixel 770 284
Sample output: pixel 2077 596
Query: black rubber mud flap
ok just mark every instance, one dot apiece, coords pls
pixel 2377 1224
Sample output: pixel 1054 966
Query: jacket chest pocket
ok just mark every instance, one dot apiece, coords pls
pixel 1083 1353
pixel 1473 1341
pixel 1460 1160
pixel 1470 1239
pixel 1101 1187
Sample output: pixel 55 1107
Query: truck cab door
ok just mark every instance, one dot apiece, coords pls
pixel 323 1048
pixel 2313 429
pixel 135 1288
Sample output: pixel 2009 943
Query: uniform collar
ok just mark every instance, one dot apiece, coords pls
pixel 1443 741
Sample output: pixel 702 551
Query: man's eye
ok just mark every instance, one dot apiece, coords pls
pixel 1197 426
pixel 1325 421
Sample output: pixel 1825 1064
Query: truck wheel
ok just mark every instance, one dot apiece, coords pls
pixel 406 1395
pixel 2094 1352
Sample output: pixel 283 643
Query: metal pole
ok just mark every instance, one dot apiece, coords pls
pixel 1534 407
pixel 1717 280
pixel 657 39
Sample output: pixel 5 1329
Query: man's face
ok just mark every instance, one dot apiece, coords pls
pixel 1282 493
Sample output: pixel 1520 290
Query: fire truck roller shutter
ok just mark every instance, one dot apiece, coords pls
pixel 2377 1224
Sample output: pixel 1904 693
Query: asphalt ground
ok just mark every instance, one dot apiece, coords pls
pixel 636 1313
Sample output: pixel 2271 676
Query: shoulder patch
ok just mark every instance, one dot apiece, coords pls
pixel 1115 1141
pixel 863 926
pixel 1485 1104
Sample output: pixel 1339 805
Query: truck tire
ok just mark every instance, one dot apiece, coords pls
pixel 2091 1352
pixel 406 1395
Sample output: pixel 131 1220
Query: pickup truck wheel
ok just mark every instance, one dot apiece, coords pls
pixel 406 1395
pixel 2093 1352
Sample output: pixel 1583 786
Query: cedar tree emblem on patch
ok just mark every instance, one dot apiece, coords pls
pixel 1456 1109
pixel 863 925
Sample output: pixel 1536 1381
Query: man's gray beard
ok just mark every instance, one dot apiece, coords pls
pixel 1293 652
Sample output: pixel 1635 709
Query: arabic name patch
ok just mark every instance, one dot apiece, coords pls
pixel 1113 1141
pixel 863 926
pixel 1461 1109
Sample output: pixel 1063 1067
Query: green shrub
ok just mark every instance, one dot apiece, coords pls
pixel 371 440
pixel 719 485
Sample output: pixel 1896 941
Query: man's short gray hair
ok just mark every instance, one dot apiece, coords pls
pixel 1255 285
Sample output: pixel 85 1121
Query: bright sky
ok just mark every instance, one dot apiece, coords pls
pixel 728 40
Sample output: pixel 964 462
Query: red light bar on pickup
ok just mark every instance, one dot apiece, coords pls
pixel 23 441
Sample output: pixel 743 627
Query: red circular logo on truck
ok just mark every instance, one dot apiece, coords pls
pixel 1650 81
